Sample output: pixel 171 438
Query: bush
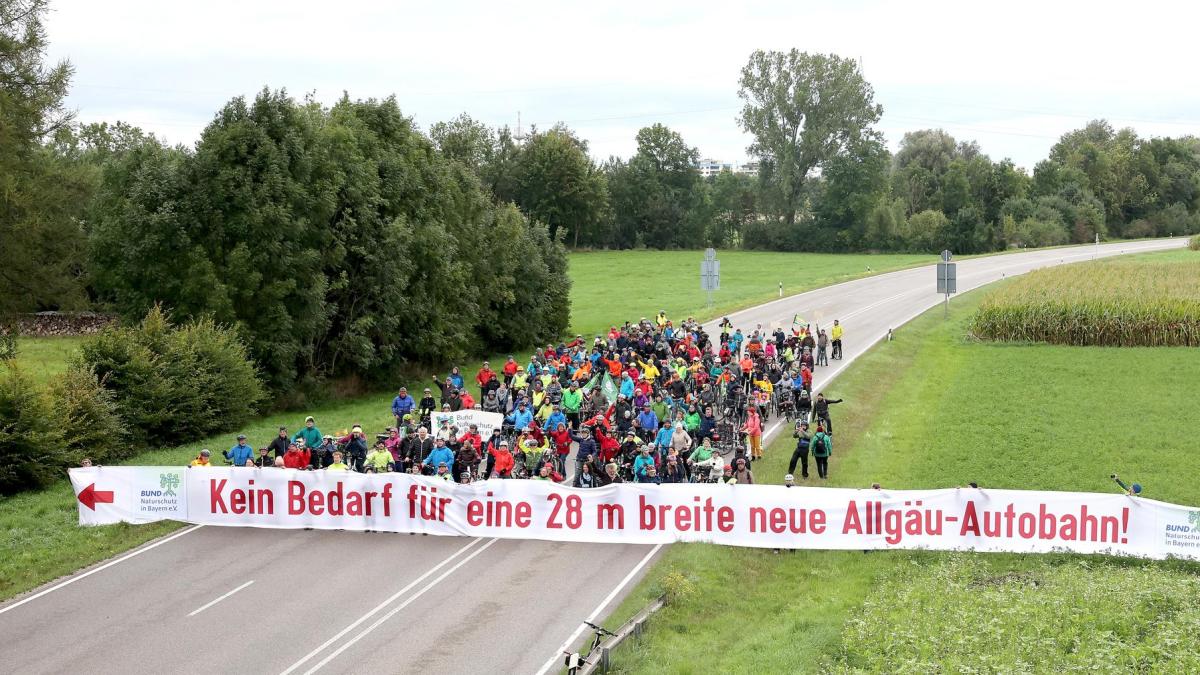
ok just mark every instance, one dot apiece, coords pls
pixel 31 442
pixel 170 384
pixel 1194 243
pixel 88 418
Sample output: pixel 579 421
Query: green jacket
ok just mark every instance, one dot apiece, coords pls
pixel 312 437
pixel 379 459
pixel 822 444
pixel 661 410
pixel 692 421
pixel 572 400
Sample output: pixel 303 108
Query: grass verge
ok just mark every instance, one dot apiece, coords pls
pixel 40 359
pixel 615 286
pixel 933 409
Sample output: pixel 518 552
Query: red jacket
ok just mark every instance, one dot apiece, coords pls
pixel 510 368
pixel 484 376
pixel 296 459
pixel 562 441
pixel 608 445
pixel 475 440
pixel 504 462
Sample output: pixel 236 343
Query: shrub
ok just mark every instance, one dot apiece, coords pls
pixel 1109 303
pixel 1194 243
pixel 31 443
pixel 169 384
pixel 88 418
pixel 134 375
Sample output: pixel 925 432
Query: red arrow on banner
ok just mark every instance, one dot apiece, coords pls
pixel 90 497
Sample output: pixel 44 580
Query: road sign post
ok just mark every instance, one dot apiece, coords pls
pixel 710 274
pixel 947 279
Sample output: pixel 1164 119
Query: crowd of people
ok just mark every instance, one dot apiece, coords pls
pixel 646 402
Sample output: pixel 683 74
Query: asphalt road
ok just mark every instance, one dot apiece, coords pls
pixel 270 601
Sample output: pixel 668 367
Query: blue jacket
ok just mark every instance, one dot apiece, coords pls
pixel 456 380
pixel 439 455
pixel 626 386
pixel 663 440
pixel 587 446
pixel 521 418
pixel 648 421
pixel 402 405
pixel 639 467
pixel 238 454
pixel 556 418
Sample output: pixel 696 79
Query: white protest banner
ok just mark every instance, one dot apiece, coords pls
pixel 771 516
pixel 463 419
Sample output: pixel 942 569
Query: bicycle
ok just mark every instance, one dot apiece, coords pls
pixel 575 661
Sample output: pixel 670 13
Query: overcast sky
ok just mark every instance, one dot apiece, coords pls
pixel 1013 76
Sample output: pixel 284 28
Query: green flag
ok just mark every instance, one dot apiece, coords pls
pixel 587 388
pixel 609 388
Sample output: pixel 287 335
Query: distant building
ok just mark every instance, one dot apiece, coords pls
pixel 712 167
pixel 749 169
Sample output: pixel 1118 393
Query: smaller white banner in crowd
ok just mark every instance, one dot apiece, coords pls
pixel 463 419
pixel 768 516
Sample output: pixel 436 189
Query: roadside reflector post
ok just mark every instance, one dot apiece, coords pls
pixel 947 279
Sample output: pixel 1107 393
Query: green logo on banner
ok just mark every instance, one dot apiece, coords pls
pixel 168 482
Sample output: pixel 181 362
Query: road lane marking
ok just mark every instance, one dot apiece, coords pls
pixel 221 598
pixel 595 615
pixel 350 643
pixel 380 606
pixel 105 566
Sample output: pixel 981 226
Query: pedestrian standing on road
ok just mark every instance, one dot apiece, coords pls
pixel 310 434
pixel 753 430
pixel 803 440
pixel 742 472
pixel 836 337
pixel 821 410
pixel 822 347
pixel 673 470
pixel 279 444
pixel 822 448
pixel 238 454
pixel 584 478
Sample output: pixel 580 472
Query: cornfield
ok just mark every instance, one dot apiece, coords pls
pixel 1106 303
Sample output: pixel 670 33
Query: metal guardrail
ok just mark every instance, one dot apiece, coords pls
pixel 598 659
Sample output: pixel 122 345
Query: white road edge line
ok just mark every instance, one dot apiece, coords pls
pixel 379 607
pixel 350 643
pixel 105 566
pixel 221 598
pixel 595 615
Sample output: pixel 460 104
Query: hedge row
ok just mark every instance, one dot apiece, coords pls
pixel 127 390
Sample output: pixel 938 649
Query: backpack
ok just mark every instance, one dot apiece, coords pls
pixel 821 444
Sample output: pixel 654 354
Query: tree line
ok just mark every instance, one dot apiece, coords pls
pixel 827 181
pixel 336 240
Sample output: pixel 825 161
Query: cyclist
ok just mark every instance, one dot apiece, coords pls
pixel 835 334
